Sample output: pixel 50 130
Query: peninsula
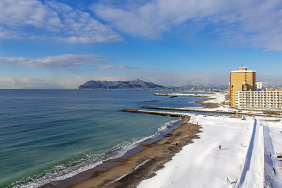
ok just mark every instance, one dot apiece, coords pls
pixel 135 84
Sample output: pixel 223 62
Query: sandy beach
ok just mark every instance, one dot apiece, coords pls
pixel 207 105
pixel 143 165
pixel 139 164
pixel 162 163
pixel 130 171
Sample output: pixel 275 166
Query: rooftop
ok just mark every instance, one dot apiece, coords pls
pixel 242 69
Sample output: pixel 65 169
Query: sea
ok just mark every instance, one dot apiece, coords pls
pixel 48 135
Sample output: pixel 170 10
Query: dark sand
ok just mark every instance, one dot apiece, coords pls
pixel 144 164
pixel 207 105
pixel 130 170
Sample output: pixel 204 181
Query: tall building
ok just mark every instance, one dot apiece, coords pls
pixel 259 99
pixel 241 80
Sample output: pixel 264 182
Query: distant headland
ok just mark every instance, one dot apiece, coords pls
pixel 134 85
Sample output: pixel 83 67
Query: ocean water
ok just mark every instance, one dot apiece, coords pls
pixel 53 134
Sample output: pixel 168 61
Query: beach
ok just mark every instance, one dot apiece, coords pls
pixel 220 154
pixel 141 162
pixel 130 171
pixel 214 160
pixel 75 133
pixel 207 104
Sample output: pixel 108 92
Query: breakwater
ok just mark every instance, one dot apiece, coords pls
pixel 182 95
pixel 190 110
pixel 177 114
pixel 172 114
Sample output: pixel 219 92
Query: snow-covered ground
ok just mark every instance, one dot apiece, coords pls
pixel 216 98
pixel 252 174
pixel 273 148
pixel 249 154
pixel 218 109
pixel 202 164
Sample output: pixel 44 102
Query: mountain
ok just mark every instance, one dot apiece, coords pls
pixel 135 84
pixel 204 86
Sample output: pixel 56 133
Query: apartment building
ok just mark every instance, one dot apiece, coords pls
pixel 258 99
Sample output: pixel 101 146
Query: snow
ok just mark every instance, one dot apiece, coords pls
pixel 248 158
pixel 216 98
pixel 252 174
pixel 240 71
pixel 273 147
pixel 219 109
pixel 202 164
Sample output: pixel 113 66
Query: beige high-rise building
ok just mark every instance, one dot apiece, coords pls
pixel 241 80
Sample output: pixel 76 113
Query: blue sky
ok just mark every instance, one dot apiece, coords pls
pixel 63 43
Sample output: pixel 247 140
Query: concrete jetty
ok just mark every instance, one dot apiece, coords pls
pixel 178 114
pixel 181 95
pixel 155 113
pixel 190 110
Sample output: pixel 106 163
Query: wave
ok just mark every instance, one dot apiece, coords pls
pixel 89 161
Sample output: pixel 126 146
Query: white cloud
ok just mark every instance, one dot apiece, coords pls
pixel 71 82
pixel 8 34
pixel 109 67
pixel 180 78
pixel 65 60
pixel 253 22
pixel 157 16
pixel 274 80
pixel 53 20
pixel 59 83
pixel 25 83
pixel 35 83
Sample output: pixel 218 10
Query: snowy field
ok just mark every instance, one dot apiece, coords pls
pixel 216 98
pixel 203 164
pixel 252 174
pixel 249 155
pixel 273 148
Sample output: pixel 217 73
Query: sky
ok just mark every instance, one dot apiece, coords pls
pixel 52 44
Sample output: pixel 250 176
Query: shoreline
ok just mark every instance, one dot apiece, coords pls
pixel 145 163
pixel 123 170
pixel 207 105
pixel 137 164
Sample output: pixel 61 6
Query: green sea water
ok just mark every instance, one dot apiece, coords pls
pixel 53 134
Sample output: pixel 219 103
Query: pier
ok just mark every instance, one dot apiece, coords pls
pixel 178 114
pixel 181 95
pixel 172 114
pixel 191 110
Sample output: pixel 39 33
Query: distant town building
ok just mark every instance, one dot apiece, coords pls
pixel 241 80
pixel 258 99
pixel 259 86
pixel 273 89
